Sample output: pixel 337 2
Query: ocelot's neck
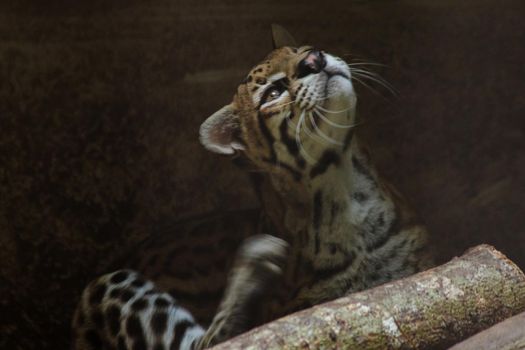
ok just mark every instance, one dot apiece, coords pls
pixel 323 215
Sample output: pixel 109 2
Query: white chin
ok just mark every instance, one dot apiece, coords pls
pixel 340 93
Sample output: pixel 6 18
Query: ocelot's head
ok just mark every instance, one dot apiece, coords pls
pixel 293 113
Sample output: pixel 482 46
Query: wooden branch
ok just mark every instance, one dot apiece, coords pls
pixel 506 335
pixel 433 309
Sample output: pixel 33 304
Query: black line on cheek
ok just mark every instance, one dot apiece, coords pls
pixel 317 216
pixel 268 136
pixel 290 143
pixel 328 158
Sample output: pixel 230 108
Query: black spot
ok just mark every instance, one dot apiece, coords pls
pixel 138 283
pixel 332 248
pixel 134 328
pixel 121 343
pixel 119 277
pixel 255 88
pixel 115 293
pixel 159 322
pixel 113 316
pixel 260 81
pixel 380 240
pixel 98 319
pixel 334 211
pixel 321 274
pixel 328 158
pixel 126 295
pixel 161 302
pixel 381 219
pixel 360 196
pixel 139 305
pixel 97 294
pixel 93 339
pixel 249 79
pixel 180 329
pixel 317 216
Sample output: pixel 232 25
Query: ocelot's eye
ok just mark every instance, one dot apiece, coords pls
pixel 274 91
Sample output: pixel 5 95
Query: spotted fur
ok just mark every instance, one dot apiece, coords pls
pixel 292 120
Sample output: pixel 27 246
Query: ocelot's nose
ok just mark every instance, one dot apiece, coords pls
pixel 313 63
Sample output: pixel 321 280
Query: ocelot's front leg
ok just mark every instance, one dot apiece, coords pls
pixel 258 265
pixel 122 310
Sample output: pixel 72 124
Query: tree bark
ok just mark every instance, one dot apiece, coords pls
pixel 432 309
pixel 506 335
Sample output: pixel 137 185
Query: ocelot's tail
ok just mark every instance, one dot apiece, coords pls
pixel 121 310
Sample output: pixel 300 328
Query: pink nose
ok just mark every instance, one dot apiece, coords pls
pixel 313 63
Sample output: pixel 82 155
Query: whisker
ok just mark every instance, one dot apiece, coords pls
pixel 332 111
pixel 308 158
pixel 385 85
pixel 289 121
pixel 357 64
pixel 366 85
pixel 331 123
pixel 313 136
pixel 321 133
pixel 284 104
pixel 373 77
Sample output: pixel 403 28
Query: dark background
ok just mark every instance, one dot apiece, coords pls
pixel 100 106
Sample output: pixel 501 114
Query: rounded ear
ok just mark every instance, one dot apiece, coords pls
pixel 281 37
pixel 219 133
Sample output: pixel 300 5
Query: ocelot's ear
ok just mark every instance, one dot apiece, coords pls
pixel 281 37
pixel 220 132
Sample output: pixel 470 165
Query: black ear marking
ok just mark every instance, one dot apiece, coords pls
pixel 281 37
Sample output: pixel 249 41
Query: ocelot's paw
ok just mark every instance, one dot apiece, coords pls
pixel 266 254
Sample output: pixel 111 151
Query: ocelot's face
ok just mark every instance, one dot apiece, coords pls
pixel 292 110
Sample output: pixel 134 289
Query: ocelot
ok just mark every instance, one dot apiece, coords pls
pixel 328 224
